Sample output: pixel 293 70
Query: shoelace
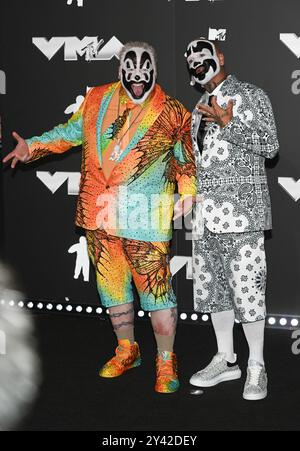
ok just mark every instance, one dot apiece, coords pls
pixel 164 367
pixel 121 354
pixel 255 373
pixel 217 359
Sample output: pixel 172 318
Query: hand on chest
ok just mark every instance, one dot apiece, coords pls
pixel 215 148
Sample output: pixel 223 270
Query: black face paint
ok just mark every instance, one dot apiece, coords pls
pixel 206 66
pixel 138 74
pixel 203 61
pixel 132 57
pixel 145 58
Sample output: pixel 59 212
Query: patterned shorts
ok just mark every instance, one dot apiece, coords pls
pixel 230 273
pixel 119 261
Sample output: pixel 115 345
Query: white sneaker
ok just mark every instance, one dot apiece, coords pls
pixel 219 370
pixel 256 387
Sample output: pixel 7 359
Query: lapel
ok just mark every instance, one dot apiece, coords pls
pixel 107 96
pixel 196 121
pixel 229 85
pixel 154 109
pixel 226 88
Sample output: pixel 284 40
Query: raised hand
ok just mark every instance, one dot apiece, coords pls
pixel 20 152
pixel 217 114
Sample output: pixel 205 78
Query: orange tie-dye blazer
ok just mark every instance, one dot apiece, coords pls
pixel 136 202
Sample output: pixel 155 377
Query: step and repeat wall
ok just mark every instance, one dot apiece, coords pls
pixel 53 51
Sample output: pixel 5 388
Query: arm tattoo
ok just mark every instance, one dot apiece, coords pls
pixel 118 315
pixel 125 324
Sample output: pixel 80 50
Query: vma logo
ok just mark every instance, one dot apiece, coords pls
pixel 217 35
pixel 177 263
pixel 291 187
pixel 292 42
pixel 54 181
pixel 89 47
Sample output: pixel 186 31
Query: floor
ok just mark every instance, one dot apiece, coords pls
pixel 74 398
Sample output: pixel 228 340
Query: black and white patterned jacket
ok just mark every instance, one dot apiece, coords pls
pixel 232 178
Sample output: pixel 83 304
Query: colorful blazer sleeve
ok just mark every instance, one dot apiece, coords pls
pixel 184 156
pixel 60 139
pixel 259 134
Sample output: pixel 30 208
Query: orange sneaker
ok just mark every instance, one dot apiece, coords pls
pixel 166 373
pixel 127 356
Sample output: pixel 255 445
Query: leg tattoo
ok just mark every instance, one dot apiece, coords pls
pixel 124 324
pixel 122 319
pixel 118 315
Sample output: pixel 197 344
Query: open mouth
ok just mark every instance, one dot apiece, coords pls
pixel 201 69
pixel 138 90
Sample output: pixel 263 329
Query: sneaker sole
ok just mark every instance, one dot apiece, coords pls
pixel 169 392
pixel 232 376
pixel 255 397
pixel 137 363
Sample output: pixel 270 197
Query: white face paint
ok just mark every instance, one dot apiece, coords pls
pixel 203 61
pixel 138 73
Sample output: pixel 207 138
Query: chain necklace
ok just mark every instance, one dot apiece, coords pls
pixel 118 150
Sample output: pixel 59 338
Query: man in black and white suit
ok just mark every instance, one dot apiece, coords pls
pixel 233 132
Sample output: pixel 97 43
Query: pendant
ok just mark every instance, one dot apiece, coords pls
pixel 116 153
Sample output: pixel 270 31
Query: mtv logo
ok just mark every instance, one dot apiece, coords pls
pixel 217 35
pixel 290 186
pixel 90 47
pixel 2 82
pixel 292 42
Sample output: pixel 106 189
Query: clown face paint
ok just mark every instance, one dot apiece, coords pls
pixel 203 61
pixel 138 73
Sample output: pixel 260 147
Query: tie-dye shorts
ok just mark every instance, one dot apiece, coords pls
pixel 119 262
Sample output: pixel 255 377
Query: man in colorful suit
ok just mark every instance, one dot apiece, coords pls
pixel 136 150
pixel 233 132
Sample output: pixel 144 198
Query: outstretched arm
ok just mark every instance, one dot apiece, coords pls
pixel 20 152
pixel 59 140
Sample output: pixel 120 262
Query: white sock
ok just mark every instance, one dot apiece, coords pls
pixel 255 334
pixel 223 323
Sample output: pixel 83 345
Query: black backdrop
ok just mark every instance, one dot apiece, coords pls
pixel 37 225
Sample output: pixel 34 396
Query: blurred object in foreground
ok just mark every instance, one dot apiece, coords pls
pixel 19 363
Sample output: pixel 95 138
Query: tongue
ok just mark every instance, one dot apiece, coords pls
pixel 138 90
pixel 200 70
